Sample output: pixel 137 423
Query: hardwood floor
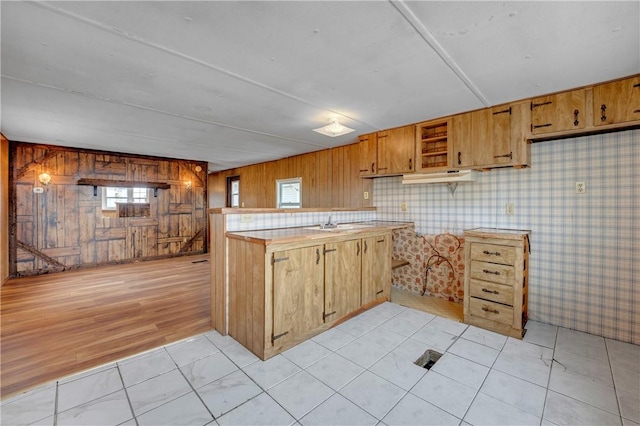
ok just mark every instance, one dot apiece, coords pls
pixel 59 324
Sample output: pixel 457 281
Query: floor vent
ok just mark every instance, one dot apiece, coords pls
pixel 428 359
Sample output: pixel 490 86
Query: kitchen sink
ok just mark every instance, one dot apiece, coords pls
pixel 340 227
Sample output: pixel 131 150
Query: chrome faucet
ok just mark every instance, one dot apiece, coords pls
pixel 329 225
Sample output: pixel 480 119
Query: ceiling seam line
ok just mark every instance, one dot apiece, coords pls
pixel 134 38
pixel 429 38
pixel 171 114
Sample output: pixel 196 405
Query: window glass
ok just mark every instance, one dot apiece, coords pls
pixel 112 195
pixel 235 193
pixel 289 193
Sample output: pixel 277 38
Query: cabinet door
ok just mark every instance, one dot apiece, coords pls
pixel 482 138
pixel 462 141
pixel 376 268
pixel 368 154
pixel 298 292
pixel 616 102
pixel 555 113
pixel 342 262
pixel 500 152
pixel 396 149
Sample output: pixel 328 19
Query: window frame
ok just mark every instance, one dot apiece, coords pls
pixel 130 197
pixel 230 193
pixel 279 193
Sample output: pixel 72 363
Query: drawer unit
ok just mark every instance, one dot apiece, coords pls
pixel 491 291
pixel 494 272
pixel 493 253
pixel 496 280
pixel 491 311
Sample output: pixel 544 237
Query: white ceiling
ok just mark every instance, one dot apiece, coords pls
pixel 237 83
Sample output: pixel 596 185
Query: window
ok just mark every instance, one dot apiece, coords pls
pixel 233 191
pixel 289 193
pixel 111 196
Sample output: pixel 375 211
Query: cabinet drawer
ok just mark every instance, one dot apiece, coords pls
pixel 491 311
pixel 493 253
pixel 491 291
pixel 485 271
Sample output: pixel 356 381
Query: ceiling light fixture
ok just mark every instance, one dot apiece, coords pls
pixel 333 129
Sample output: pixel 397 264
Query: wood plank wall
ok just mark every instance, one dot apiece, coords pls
pixel 330 178
pixel 65 226
pixel 4 209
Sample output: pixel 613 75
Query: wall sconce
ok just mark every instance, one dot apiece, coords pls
pixel 187 185
pixel 44 178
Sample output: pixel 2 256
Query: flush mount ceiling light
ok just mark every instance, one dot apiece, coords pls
pixel 333 129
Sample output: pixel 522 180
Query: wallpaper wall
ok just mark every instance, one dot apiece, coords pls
pixel 585 260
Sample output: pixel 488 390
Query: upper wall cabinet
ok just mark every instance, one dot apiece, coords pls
pixel 483 138
pixel 616 102
pixel 432 146
pixel 559 112
pixel 396 151
pixel 388 152
pixel 368 154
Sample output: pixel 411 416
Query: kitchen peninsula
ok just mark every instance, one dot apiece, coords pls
pixel 289 279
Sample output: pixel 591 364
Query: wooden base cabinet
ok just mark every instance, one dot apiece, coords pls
pixel 283 294
pixel 298 292
pixel 496 280
pixel 376 268
pixel 342 273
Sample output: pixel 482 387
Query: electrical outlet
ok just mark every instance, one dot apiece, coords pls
pixel 581 188
pixel 366 195
pixel 509 209
pixel 403 206
pixel 246 218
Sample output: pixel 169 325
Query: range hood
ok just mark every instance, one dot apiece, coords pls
pixel 446 177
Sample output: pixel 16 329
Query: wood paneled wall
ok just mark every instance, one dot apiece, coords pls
pixel 330 178
pixel 65 227
pixel 4 209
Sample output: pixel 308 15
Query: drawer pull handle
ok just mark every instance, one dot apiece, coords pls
pixel 488 309
pixel 486 271
pixel 490 291
pixel 492 253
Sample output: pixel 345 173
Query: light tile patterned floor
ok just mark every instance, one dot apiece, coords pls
pixel 360 372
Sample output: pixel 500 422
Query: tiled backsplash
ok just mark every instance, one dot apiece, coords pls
pixel 251 221
pixel 584 259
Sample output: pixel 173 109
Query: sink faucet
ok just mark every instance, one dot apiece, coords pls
pixel 329 225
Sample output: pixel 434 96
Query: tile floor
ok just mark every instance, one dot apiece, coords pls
pixel 360 372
